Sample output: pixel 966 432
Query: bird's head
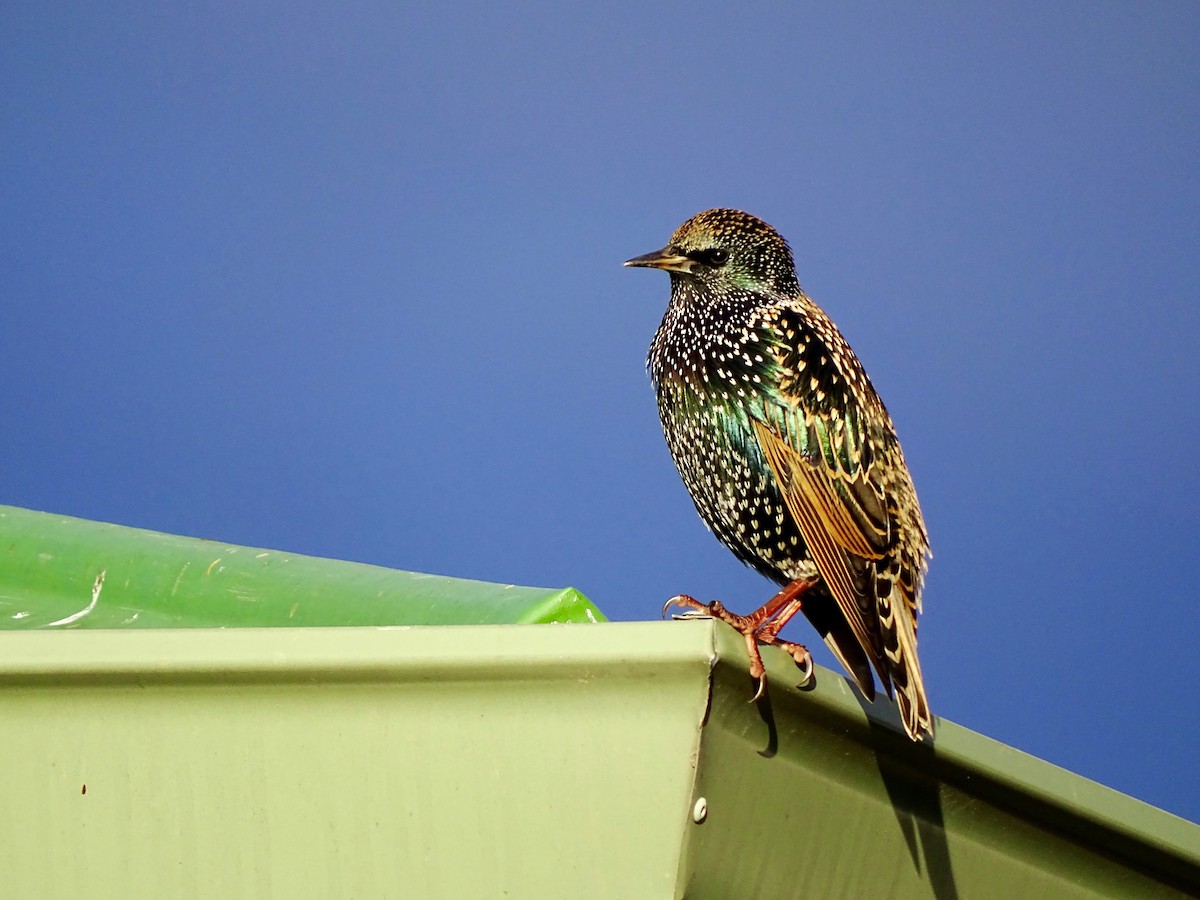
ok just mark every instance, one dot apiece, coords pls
pixel 727 248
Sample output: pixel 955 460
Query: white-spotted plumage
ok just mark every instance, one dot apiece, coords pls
pixel 789 454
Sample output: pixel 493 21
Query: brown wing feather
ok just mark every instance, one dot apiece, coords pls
pixel 815 509
pixel 830 505
pixel 835 527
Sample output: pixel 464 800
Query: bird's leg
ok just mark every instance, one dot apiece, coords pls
pixel 761 626
pixel 798 652
pixel 782 607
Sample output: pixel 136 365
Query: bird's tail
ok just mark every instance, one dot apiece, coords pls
pixel 897 616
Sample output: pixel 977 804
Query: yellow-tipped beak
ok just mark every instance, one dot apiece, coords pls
pixel 667 259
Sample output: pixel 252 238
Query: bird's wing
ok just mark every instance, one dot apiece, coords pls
pixel 821 443
pixel 832 448
pixel 829 520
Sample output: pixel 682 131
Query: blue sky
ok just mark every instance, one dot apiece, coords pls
pixel 345 280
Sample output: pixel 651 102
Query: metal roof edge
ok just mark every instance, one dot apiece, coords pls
pixel 1070 804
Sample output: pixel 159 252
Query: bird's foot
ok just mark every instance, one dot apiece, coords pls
pixel 800 654
pixel 695 609
pixel 760 627
pixel 768 633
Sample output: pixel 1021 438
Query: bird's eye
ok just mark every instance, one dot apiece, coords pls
pixel 715 257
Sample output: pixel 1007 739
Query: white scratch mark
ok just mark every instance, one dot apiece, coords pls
pixel 591 618
pixel 179 578
pixel 20 615
pixel 74 617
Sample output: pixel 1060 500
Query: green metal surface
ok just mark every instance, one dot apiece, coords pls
pixel 523 761
pixel 62 572
pixel 818 794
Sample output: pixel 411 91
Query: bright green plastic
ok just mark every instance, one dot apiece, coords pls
pixel 62 572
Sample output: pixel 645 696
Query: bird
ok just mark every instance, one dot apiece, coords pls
pixel 790 457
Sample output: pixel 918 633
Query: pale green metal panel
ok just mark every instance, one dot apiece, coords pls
pixel 520 761
pixel 816 793
pixel 62 572
pixel 541 761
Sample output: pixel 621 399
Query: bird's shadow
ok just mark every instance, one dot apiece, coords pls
pixel 767 713
pixel 916 802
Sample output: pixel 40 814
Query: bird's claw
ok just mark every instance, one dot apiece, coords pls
pixel 803 659
pixel 808 671
pixel 806 667
pixel 696 609
pixel 799 653
pixel 762 687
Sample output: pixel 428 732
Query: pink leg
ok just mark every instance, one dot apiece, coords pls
pixel 761 626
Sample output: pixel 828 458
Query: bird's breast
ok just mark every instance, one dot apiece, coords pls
pixel 712 442
pixel 717 350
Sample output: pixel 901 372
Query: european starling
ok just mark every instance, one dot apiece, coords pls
pixel 789 454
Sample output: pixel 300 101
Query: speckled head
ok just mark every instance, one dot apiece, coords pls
pixel 727 247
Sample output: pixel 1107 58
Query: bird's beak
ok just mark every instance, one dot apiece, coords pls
pixel 667 259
